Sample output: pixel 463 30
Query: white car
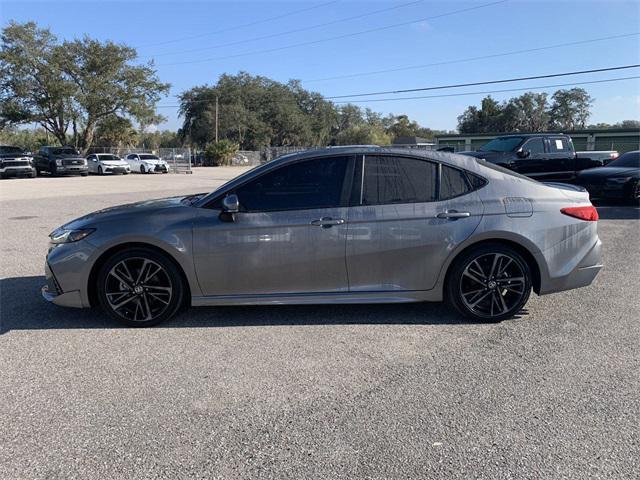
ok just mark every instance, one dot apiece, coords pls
pixel 102 163
pixel 146 163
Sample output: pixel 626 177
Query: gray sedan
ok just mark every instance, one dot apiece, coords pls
pixel 339 225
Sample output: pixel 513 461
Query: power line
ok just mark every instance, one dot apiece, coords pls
pixel 442 87
pixel 288 32
pixel 486 92
pixel 338 37
pixel 245 25
pixel 469 59
pixel 488 82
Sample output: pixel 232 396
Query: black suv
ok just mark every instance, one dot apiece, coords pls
pixel 15 162
pixel 60 161
pixel 543 156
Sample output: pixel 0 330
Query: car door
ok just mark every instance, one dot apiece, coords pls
pixel 561 165
pixel 536 163
pixel 407 215
pixel 92 163
pixel 288 238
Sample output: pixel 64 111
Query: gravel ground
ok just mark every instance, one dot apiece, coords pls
pixel 392 391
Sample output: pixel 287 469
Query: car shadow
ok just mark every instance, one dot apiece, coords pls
pixel 616 210
pixel 23 308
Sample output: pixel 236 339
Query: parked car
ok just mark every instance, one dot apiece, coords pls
pixel 338 225
pixel 15 162
pixel 146 163
pixel 599 157
pixel 102 163
pixel 543 156
pixel 619 179
pixel 60 161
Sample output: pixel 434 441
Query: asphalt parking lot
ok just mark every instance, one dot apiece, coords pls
pixel 393 391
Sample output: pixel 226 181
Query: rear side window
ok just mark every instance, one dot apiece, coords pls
pixel 534 146
pixel 389 180
pixel 453 183
pixel 308 184
pixel 558 145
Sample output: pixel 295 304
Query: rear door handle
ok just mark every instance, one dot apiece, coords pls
pixel 327 222
pixel 453 214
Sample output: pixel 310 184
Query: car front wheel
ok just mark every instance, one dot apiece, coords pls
pixel 489 283
pixel 139 287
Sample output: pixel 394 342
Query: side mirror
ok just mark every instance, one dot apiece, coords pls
pixel 523 153
pixel 230 206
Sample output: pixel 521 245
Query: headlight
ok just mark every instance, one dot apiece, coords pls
pixel 59 162
pixel 619 179
pixel 63 235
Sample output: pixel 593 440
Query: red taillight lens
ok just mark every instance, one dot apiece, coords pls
pixel 590 214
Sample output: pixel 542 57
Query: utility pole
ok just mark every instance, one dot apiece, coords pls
pixel 216 118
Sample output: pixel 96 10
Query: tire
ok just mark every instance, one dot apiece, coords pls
pixel 85 174
pixel 475 279
pixel 100 171
pixel 140 301
pixel 34 174
pixel 142 169
pixel 3 176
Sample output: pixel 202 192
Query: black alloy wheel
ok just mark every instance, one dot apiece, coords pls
pixel 489 283
pixel 140 288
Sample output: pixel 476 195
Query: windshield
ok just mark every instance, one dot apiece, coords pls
pixel 6 149
pixel 629 160
pixel 63 151
pixel 504 144
pixel 148 157
pixel 108 157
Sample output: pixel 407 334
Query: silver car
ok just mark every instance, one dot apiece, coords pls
pixel 339 225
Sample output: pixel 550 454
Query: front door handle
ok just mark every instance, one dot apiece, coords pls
pixel 327 222
pixel 453 214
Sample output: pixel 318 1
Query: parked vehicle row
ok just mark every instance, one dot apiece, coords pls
pixel 552 157
pixel 58 161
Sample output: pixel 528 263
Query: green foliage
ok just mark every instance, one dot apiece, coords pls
pixel 30 140
pixel 115 131
pixel 73 85
pixel 220 153
pixel 530 112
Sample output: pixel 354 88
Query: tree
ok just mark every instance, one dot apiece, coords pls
pixel 484 120
pixel 115 131
pixel 570 109
pixel 220 153
pixel 526 113
pixel 75 84
pixel 363 135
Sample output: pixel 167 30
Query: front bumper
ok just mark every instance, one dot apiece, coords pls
pixel 606 191
pixel 67 270
pixel 72 170
pixel 17 171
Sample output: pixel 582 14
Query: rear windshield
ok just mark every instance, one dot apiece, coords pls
pixel 503 144
pixel 7 149
pixel 500 169
pixel 148 157
pixel 629 159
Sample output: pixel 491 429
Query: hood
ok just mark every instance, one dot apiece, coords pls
pixel 131 210
pixel 114 163
pixel 604 172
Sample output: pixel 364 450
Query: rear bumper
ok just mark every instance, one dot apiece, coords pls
pixel 581 275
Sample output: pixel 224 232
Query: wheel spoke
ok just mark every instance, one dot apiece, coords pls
pixel 114 273
pixel 122 303
pixel 482 297
pixel 473 277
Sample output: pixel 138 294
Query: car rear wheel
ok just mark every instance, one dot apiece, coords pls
pixel 140 288
pixel 100 171
pixel 489 283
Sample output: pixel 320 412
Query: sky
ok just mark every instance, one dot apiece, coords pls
pixel 193 42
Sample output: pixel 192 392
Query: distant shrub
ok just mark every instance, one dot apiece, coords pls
pixel 220 153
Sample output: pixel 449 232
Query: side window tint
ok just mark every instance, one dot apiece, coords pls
pixel 558 145
pixel 453 183
pixel 535 146
pixel 398 180
pixel 476 181
pixel 308 184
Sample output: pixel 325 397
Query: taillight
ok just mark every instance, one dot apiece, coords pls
pixel 589 213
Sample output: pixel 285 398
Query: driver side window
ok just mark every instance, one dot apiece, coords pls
pixel 535 146
pixel 316 183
